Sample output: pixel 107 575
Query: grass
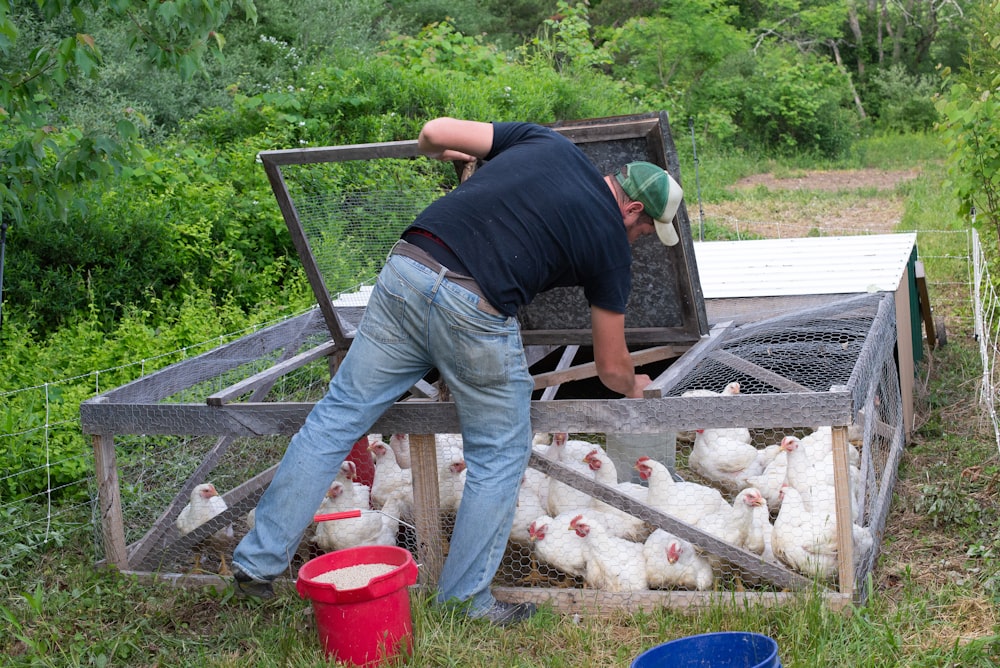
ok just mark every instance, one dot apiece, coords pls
pixel 934 591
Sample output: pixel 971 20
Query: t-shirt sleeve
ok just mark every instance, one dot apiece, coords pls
pixel 610 290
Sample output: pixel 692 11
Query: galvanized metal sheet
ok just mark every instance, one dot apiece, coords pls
pixel 804 266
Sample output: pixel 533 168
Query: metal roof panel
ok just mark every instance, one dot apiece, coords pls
pixel 803 266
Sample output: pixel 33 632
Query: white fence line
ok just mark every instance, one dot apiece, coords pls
pixel 985 310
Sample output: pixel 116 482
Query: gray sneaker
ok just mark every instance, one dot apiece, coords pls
pixel 505 614
pixel 247 587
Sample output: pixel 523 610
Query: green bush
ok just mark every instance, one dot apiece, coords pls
pixel 901 102
pixel 784 102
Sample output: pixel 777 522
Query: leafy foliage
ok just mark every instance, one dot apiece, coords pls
pixel 43 161
pixel 969 111
pixel 901 102
pixel 784 102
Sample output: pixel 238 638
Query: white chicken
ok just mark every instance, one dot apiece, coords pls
pixel 773 477
pixel 733 525
pixel 819 444
pixel 389 479
pixel 538 483
pixel 556 547
pixel 530 506
pixel 724 456
pixel 400 444
pixel 451 472
pixel 613 564
pixel 725 461
pixel 348 475
pixel 759 536
pixel 687 501
pixel 620 523
pixel 823 498
pixel 733 388
pixel 368 529
pixel 674 563
pixel 810 476
pixel 805 540
pixel 205 503
pixel 564 447
pixel 541 441
pixel 570 453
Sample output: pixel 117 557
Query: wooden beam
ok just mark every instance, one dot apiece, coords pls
pixel 680 369
pixel 595 602
pixel 926 313
pixel 268 376
pixel 634 336
pixel 564 362
pixel 564 601
pixel 845 519
pixel 760 373
pixel 639 416
pixel 589 370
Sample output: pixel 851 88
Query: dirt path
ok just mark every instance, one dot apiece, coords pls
pixel 848 179
pixel 817 202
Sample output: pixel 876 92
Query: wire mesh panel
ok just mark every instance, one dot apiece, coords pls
pixel 346 205
pixel 769 494
pixel 584 524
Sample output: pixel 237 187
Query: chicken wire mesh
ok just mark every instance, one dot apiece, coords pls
pixel 720 537
pixel 845 346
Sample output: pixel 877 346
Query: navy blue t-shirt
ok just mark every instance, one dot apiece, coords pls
pixel 536 215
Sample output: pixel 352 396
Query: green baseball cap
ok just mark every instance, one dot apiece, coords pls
pixel 659 193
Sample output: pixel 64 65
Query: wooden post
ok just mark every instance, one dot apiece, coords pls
pixel 845 518
pixel 904 349
pixel 110 501
pixel 426 510
pixel 925 304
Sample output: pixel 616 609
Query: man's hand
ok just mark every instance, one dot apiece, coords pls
pixel 641 381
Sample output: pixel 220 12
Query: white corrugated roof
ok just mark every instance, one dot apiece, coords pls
pixel 803 266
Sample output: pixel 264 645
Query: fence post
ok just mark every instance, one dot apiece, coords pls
pixel 110 501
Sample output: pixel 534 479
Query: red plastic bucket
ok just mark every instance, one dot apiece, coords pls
pixel 365 625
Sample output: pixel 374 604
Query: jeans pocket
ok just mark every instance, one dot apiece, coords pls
pixel 481 358
pixel 383 318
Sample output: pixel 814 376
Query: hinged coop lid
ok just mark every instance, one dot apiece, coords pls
pixel 346 205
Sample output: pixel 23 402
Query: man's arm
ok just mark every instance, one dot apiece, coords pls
pixel 454 139
pixel 611 357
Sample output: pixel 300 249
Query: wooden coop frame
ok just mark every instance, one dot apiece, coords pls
pixel 239 409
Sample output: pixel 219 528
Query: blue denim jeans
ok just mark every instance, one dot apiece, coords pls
pixel 416 319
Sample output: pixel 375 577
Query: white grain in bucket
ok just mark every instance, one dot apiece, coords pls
pixel 354 577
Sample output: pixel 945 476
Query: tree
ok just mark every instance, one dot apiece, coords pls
pixel 673 51
pixel 45 45
pixel 969 111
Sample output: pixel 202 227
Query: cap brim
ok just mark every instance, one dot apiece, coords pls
pixel 664 224
pixel 666 233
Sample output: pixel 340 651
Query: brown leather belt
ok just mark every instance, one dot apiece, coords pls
pixel 418 254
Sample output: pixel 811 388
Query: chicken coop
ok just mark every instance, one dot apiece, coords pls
pixel 760 461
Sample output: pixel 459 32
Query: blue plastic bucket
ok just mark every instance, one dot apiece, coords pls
pixel 729 649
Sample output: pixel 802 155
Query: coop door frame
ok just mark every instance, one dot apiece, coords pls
pixel 671 294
